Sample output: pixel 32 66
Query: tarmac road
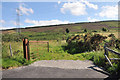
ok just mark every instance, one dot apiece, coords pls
pixel 57 69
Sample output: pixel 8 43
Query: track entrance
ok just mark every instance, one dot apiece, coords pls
pixel 34 49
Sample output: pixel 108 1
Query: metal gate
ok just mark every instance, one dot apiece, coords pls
pixel 38 48
pixel 33 49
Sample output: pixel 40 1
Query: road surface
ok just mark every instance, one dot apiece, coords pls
pixel 56 69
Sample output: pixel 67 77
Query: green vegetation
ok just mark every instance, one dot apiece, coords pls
pixel 12 37
pixel 95 42
pixel 17 58
pixel 45 35
pixel 85 30
pixel 56 53
pixel 104 29
pixel 84 42
pixel 111 23
pixel 67 30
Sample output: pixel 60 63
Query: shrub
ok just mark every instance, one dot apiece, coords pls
pixel 12 37
pixel 94 31
pixel 113 42
pixel 67 30
pixel 117 45
pixel 104 29
pixel 80 43
pixel 85 30
pixel 111 35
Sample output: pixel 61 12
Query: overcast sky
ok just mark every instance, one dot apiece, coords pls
pixel 51 13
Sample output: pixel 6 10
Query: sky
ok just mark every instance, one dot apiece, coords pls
pixel 53 13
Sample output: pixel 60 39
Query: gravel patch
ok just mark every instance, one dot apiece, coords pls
pixel 64 64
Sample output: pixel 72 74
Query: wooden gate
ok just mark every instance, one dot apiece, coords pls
pixel 32 49
pixel 106 54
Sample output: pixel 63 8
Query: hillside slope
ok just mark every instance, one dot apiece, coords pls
pixel 76 27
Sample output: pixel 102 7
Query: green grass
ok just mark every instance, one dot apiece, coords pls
pixel 48 35
pixel 76 27
pixel 17 59
pixel 17 48
pixel 56 40
pixel 56 52
pixel 111 24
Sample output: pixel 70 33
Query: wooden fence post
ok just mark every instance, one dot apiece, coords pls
pixel 26 49
pixel 10 49
pixel 106 56
pixel 48 46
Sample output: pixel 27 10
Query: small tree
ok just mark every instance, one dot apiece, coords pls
pixel 104 29
pixel 85 30
pixel 67 30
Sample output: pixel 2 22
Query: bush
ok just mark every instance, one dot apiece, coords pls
pixel 113 42
pixel 117 45
pixel 67 30
pixel 104 29
pixel 94 31
pixel 80 43
pixel 12 37
pixel 85 30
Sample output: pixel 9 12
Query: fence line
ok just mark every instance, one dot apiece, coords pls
pixel 112 51
pixel 10 50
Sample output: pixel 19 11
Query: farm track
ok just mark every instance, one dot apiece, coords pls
pixel 57 69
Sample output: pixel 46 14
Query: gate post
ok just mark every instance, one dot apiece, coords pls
pixel 26 49
pixel 48 46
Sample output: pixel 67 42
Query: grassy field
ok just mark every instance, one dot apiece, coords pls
pixel 56 35
pixel 56 52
